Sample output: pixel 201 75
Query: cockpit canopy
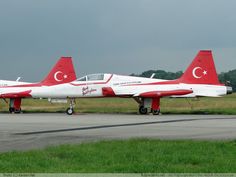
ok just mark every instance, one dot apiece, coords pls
pixel 93 77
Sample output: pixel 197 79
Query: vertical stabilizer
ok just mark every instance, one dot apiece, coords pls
pixel 62 72
pixel 202 70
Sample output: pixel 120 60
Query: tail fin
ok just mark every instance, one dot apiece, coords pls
pixel 62 72
pixel 202 70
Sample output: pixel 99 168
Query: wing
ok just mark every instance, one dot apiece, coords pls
pixel 23 94
pixel 109 92
pixel 158 94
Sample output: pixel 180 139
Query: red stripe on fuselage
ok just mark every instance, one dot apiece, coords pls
pixel 177 81
pixel 156 83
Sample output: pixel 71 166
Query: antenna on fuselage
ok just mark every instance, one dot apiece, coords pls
pixel 18 79
pixel 152 76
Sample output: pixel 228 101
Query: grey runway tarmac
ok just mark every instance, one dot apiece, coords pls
pixel 35 131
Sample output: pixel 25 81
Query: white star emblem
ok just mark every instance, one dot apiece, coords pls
pixel 65 76
pixel 205 72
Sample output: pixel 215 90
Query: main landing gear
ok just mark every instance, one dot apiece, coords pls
pixel 15 105
pixel 14 110
pixel 156 112
pixel 70 110
pixel 149 105
pixel 144 111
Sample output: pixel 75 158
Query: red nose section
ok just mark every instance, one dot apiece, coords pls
pixel 62 72
pixel 108 92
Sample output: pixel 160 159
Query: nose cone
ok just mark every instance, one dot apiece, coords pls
pixel 229 90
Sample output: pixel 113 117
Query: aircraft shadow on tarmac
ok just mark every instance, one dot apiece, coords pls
pixel 118 125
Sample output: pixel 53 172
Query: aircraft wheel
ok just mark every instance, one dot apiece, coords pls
pixel 11 110
pixel 143 110
pixel 156 112
pixel 69 111
pixel 17 111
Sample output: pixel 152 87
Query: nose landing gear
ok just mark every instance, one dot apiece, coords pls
pixel 70 110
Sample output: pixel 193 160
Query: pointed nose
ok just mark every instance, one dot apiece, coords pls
pixel 229 90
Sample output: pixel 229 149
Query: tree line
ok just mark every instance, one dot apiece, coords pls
pixel 228 78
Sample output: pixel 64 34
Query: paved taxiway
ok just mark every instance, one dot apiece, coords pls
pixel 32 131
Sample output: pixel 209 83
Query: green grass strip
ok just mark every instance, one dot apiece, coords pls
pixel 128 156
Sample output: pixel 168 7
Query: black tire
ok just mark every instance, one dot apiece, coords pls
pixel 17 111
pixel 69 111
pixel 11 110
pixel 143 110
pixel 156 112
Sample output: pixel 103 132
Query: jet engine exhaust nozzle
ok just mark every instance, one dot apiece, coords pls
pixel 229 90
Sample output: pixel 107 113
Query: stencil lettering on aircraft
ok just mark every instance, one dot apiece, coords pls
pixel 87 90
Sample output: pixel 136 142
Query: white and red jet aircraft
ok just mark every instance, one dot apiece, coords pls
pixel 199 80
pixel 62 72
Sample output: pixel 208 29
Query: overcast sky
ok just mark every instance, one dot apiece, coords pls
pixel 114 36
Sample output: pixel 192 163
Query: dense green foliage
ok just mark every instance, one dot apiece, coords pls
pixel 128 156
pixel 229 76
pixel 161 74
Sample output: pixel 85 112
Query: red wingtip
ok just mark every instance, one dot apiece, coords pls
pixel 62 72
pixel 202 70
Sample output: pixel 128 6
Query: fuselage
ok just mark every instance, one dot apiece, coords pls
pixel 121 86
